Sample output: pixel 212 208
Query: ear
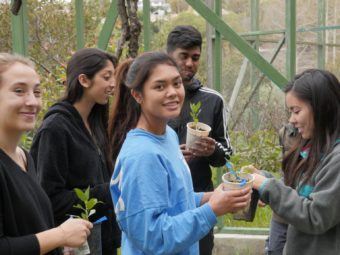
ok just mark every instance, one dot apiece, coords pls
pixel 84 81
pixel 137 96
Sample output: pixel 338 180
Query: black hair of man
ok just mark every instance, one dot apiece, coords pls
pixel 184 37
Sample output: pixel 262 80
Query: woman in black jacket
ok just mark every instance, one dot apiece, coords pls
pixel 71 147
pixel 26 219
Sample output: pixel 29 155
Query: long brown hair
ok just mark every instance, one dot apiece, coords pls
pixel 90 61
pixel 321 90
pixel 125 111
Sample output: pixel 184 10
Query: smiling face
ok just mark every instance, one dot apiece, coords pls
pixel 20 98
pixel 162 96
pixel 301 115
pixel 187 61
pixel 101 87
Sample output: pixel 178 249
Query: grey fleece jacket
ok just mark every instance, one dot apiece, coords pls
pixel 312 211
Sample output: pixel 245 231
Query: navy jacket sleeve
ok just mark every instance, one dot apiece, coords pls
pixel 223 149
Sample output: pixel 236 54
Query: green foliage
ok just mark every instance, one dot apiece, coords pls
pixel 88 203
pixel 26 140
pixel 261 220
pixel 195 111
pixel 260 149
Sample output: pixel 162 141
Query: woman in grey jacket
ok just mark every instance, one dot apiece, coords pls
pixel 309 200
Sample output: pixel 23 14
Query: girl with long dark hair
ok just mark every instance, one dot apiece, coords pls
pixel 71 148
pixel 309 200
pixel 156 207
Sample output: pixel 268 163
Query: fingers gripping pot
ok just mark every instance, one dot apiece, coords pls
pixel 245 180
pixel 194 133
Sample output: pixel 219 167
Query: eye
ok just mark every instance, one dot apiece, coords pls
pixel 107 78
pixel 195 58
pixel 37 92
pixel 296 110
pixel 159 87
pixel 178 84
pixel 182 56
pixel 19 91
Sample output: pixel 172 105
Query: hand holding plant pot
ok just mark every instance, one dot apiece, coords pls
pixel 205 147
pixel 196 129
pixel 93 244
pixel 75 231
pixel 237 180
pixel 222 202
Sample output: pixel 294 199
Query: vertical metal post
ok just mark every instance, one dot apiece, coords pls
pixel 254 17
pixel 321 34
pixel 106 32
pixel 254 26
pixel 209 48
pixel 217 45
pixel 146 24
pixel 20 30
pixel 291 38
pixel 80 23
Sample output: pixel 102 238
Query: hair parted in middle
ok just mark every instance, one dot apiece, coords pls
pixel 90 61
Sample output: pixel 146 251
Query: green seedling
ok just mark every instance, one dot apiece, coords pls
pixel 88 203
pixel 195 111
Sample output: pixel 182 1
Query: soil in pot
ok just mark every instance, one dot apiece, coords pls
pixel 194 133
pixel 231 182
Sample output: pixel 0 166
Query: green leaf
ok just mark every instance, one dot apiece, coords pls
pixel 87 193
pixel 84 216
pixel 91 203
pixel 80 194
pixel 79 206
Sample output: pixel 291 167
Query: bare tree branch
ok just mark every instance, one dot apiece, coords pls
pixel 125 28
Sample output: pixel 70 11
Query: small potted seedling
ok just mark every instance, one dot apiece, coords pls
pixel 196 129
pixel 238 180
pixel 93 245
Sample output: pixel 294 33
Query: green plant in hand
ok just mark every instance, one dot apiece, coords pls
pixel 195 111
pixel 88 203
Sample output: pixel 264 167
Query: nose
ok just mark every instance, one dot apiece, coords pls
pixel 32 99
pixel 112 83
pixel 171 91
pixel 189 62
pixel 292 119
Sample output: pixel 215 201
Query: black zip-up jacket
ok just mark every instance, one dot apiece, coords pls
pixel 213 113
pixel 67 157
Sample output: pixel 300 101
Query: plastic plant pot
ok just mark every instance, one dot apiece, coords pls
pixel 194 133
pixel 230 183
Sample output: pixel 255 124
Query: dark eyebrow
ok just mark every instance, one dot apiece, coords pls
pixel 176 78
pixel 159 81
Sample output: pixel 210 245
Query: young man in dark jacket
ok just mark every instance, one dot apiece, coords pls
pixel 184 45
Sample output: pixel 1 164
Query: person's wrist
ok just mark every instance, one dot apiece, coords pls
pixel 61 234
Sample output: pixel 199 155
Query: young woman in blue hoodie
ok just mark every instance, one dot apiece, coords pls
pixel 26 219
pixel 309 198
pixel 156 207
pixel 71 148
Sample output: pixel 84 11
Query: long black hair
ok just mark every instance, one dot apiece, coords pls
pixel 321 90
pixel 90 61
pixel 125 111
